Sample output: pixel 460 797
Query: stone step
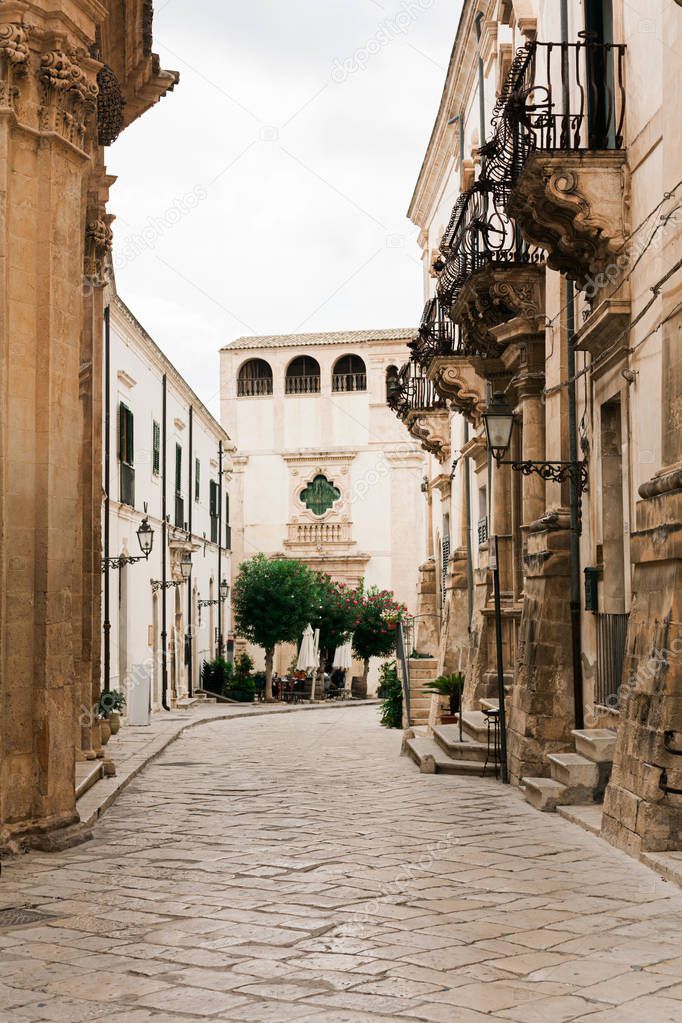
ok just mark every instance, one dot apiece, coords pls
pixel 475 725
pixel 544 793
pixel 574 771
pixel 447 737
pixel 431 759
pixel 596 744
pixel 586 817
pixel 88 773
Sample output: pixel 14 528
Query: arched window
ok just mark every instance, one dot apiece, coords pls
pixel 255 378
pixel 303 376
pixel 349 374
pixel 392 381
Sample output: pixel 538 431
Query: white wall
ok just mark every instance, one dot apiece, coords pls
pixel 136 373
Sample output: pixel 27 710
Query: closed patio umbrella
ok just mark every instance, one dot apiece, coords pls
pixel 307 657
pixel 343 657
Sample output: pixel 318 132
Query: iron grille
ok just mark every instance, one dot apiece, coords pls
pixel 444 559
pixel 611 643
pixel 482 531
pixel 437 334
pixel 414 392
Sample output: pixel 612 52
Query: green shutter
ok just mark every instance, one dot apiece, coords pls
pixel 214 500
pixel 178 469
pixel 126 447
pixel 197 479
pixel 156 448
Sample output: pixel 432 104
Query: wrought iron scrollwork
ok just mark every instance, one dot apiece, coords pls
pixel 110 104
pixel 414 392
pixel 557 472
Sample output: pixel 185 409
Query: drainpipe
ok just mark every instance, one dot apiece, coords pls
pixel 481 81
pixel 573 456
pixel 107 486
pixel 470 556
pixel 220 547
pixel 190 499
pixel 164 543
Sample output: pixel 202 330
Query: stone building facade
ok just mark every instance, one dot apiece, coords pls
pixel 73 74
pixel 548 207
pixel 324 473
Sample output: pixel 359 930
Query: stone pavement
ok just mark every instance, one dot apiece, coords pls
pixel 293 867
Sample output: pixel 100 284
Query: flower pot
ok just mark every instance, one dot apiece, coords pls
pixel 114 722
pixel 105 730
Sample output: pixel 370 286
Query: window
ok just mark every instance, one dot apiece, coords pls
pixel 320 495
pixel 156 448
pixel 179 503
pixel 392 381
pixel 255 378
pixel 213 510
pixel 228 527
pixel 349 374
pixel 303 376
pixel 197 479
pixel 126 454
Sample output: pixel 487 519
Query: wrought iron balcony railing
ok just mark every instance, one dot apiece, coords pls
pixel 480 234
pixel 414 392
pixel 437 334
pixel 557 96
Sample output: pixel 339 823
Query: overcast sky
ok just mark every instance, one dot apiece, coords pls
pixel 268 193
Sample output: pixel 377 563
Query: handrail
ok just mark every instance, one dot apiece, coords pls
pixel 405 669
pixel 414 392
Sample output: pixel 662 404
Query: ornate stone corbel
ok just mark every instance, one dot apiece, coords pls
pixel 14 47
pixel 99 239
pixel 69 96
pixel 455 378
pixel 494 295
pixel 432 429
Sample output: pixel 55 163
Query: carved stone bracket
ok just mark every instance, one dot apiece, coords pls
pixel 98 242
pixel 14 47
pixel 576 206
pixel 495 294
pixel 432 429
pixel 455 378
pixel 69 95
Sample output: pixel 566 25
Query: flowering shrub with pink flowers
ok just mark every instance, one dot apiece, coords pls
pixel 374 631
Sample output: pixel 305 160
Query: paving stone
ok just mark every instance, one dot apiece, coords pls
pixel 334 889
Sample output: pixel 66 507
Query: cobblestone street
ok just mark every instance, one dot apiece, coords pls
pixel 295 868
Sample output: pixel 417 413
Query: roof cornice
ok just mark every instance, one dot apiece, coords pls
pixel 459 83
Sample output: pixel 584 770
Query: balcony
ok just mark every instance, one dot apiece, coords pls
pixel 437 335
pixel 557 155
pixel 490 274
pixel 424 412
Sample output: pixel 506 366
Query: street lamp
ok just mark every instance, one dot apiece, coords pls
pixel 145 538
pixel 224 589
pixel 499 423
pixel 186 566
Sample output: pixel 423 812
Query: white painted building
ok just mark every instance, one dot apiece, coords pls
pixel 324 473
pixel 161 441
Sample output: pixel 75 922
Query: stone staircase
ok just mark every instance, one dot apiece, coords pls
pixel 577 779
pixel 422 670
pixel 445 753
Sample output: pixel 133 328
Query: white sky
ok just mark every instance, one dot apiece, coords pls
pixel 268 193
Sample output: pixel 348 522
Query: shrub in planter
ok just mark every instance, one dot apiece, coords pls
pixel 450 686
pixel 243 691
pixel 215 675
pixel 391 690
pixel 109 709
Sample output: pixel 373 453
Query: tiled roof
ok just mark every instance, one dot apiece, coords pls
pixel 337 337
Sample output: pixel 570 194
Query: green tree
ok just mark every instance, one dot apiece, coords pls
pixel 336 613
pixel 378 612
pixel 273 601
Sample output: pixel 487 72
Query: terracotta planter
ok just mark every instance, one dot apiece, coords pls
pixel 105 730
pixel 114 722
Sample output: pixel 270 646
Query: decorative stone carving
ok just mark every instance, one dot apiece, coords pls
pixel 432 429
pixel 69 96
pixel 14 47
pixel 98 242
pixel 576 206
pixel 455 378
pixel 495 294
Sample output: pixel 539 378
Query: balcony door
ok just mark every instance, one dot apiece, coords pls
pixel 600 74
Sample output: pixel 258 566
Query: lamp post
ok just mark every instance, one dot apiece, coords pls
pixel 499 423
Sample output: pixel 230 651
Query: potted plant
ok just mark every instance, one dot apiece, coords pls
pixel 391 692
pixel 449 686
pixel 116 702
pixel 239 683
